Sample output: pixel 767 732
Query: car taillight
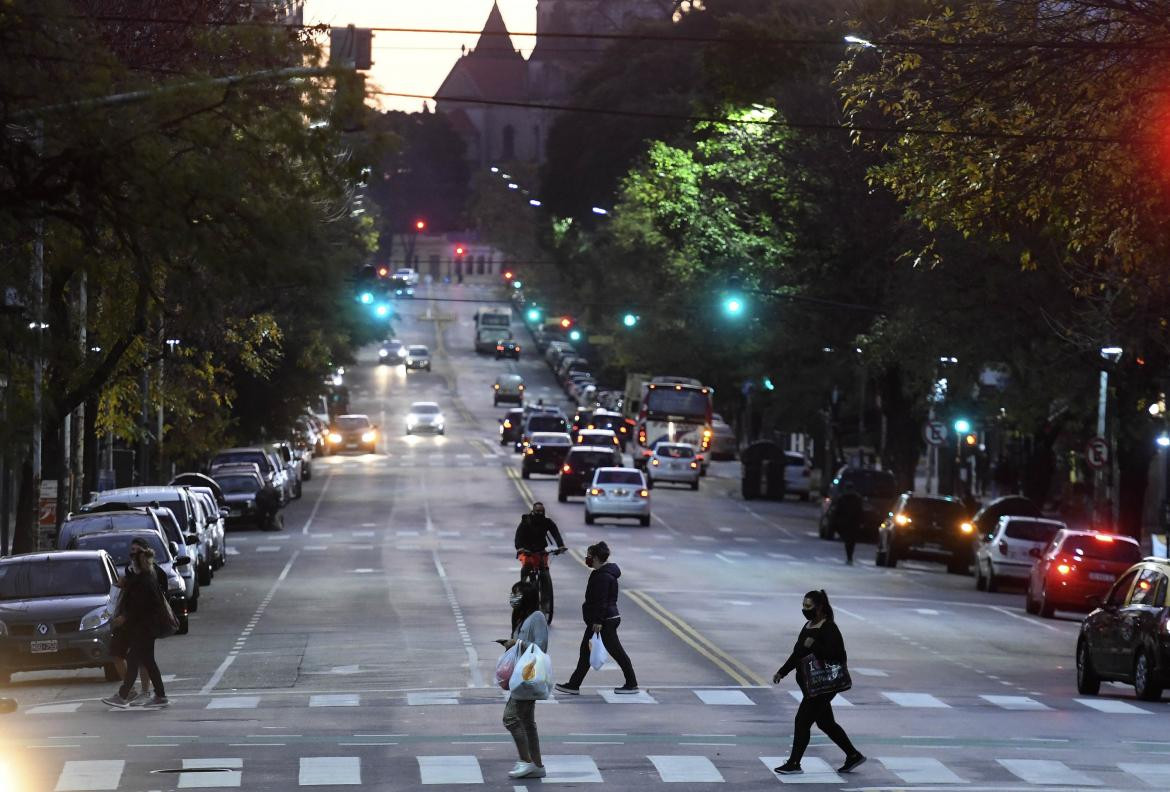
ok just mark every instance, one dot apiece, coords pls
pixel 517 349
pixel 1063 569
pixel 653 461
pixel 596 491
pixel 1003 547
pixel 566 469
pixel 499 349
pixel 507 424
pixel 529 450
pixel 694 465
pixel 644 493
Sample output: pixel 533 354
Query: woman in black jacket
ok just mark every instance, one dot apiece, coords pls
pixel 820 638
pixel 141 612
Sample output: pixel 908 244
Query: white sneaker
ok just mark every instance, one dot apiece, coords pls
pixel 537 771
pixel 521 770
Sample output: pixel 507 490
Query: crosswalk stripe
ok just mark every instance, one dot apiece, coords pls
pixel 733 698
pixel 1015 702
pixel 571 769
pixel 451 769
pixel 686 769
pixel 335 700
pixel 1112 706
pixel 268 549
pixel 229 776
pixel 420 698
pixel 838 700
pixel 234 702
pixel 97 774
pixel 330 770
pixel 54 709
pixel 1156 775
pixel 641 697
pixel 816 771
pixel 922 700
pixel 920 770
pixel 1047 771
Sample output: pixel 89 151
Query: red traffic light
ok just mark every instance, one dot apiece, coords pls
pixel 383 272
pixel 420 225
pixel 566 322
pixel 459 250
pixel 508 274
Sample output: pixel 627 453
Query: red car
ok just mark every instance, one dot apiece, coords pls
pixel 1077 568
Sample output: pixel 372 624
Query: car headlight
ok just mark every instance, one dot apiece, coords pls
pixel 401 353
pixel 966 527
pixel 383 353
pixel 368 436
pixel 97 617
pixel 334 437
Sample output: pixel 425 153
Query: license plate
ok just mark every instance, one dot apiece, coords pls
pixel 1104 577
pixel 621 492
pixel 351 445
pixel 42 647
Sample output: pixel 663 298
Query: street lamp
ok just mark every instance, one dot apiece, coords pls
pixel 733 306
pixel 629 320
pixel 1111 355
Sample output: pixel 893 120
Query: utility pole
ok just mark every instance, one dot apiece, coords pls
pixel 38 294
pixel 77 491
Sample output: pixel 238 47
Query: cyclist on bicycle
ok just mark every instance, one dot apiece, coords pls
pixel 532 536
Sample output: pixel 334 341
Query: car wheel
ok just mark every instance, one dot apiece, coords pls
pixel 980 580
pixel 645 521
pixel 1030 603
pixel 111 672
pixel 992 582
pixel 694 485
pixel 958 566
pixel 525 473
pixel 588 518
pixel 184 626
pixel 1047 609
pixel 1144 684
pixel 1088 683
pixel 562 497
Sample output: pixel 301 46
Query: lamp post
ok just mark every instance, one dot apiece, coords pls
pixel 1102 481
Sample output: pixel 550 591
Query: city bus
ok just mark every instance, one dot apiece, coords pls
pixel 676 410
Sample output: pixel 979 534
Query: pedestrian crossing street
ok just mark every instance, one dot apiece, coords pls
pixel 461 769
pixel 603 696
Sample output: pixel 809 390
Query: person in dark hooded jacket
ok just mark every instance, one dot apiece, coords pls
pixel 600 612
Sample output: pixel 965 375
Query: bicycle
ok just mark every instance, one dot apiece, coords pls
pixel 534 569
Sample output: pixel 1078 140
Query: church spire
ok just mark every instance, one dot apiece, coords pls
pixel 495 37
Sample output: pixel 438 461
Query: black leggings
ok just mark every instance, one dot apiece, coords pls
pixel 141 654
pixel 818 710
pixel 609 638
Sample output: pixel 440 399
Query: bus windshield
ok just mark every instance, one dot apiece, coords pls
pixel 684 403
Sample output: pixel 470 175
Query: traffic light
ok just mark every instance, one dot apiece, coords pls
pixel 768 384
pixel 733 305
pixel 566 322
pixel 970 439
pixel 630 320
pixel 460 250
pixel 962 426
pixel 533 315
pixel 508 274
pixel 574 335
pixel 420 225
pixel 383 271
pixel 517 284
pixel 366 298
pixel 381 310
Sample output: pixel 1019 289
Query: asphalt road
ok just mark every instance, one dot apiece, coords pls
pixel 355 648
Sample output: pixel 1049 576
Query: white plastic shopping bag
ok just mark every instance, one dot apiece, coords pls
pixel 505 666
pixel 597 653
pixel 532 676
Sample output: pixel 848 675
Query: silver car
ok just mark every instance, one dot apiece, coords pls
pixel 117 545
pixel 425 417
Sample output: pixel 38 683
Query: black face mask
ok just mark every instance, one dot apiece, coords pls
pixel 808 613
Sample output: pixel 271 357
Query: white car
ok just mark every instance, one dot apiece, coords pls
pixel 603 438
pixel 617 492
pixel 407 274
pixel 797 475
pixel 676 462
pixel 418 357
pixel 1011 549
pixel 425 417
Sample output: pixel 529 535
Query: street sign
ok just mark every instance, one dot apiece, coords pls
pixel 1097 453
pixel 935 433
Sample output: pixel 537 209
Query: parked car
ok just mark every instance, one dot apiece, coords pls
pixel 768 470
pixel 1125 639
pixel 273 473
pixel 987 517
pixel 244 492
pixel 1077 569
pixel 927 526
pixel 878 490
pixel 545 452
pixel 580 464
pixel 674 462
pixel 353 432
pixel 214 516
pixel 618 492
pixel 508 388
pixel 418 357
pixel 512 426
pixel 1011 550
pixel 508 348
pixel 724 443
pixel 290 458
pixel 57 609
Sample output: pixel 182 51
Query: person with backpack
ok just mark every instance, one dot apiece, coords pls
pixel 600 612
pixel 820 638
pixel 144 616
pixel 529 626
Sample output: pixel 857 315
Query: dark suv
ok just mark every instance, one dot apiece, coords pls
pixel 878 490
pixel 580 463
pixel 540 422
pixel 545 452
pixel 1126 638
pixel 511 425
pixel 927 526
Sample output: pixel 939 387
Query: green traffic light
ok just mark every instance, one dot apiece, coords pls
pixel 366 298
pixel 768 384
pixel 382 310
pixel 534 314
pixel 733 306
pixel 574 335
pixel 962 426
pixel 629 320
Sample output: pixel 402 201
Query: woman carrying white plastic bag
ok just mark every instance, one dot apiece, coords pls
pixel 597 653
pixel 531 678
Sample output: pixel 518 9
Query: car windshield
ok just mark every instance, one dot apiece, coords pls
pixel 619 477
pixel 75 577
pixel 232 485
pixel 351 422
pixel 675 451
pixel 872 483
pixel 425 409
pixel 935 510
pixel 546 423
pixel 1102 549
pixel 230 457
pixel 419 351
pixel 1029 531
pixel 118 545
pixel 685 402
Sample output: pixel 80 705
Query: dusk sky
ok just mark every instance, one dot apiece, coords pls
pixel 417 62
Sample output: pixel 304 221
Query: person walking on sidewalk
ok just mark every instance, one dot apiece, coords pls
pixel 141 611
pixel 846 513
pixel 600 612
pixel 821 638
pixel 528 627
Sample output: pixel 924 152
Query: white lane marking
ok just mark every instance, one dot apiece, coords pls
pixel 269 549
pixel 920 770
pixel 317 505
pixel 1156 775
pixel 1015 702
pixel 922 700
pixel 641 697
pixel 475 675
pixel 926 611
pixel 686 769
pixel 571 769
pixel 1047 771
pixel 735 553
pixel 329 770
pixel 420 698
pixel 312 548
pixel 363 533
pixel 231 655
pixel 363 571
pixel 868 672
pixel 451 769
pixel 230 776
pixel 725 698
pixel 90 775
pixel 1032 620
pixel 406 533
pixel 55 709
pixel 816 771
pixel 724 529
pixel 724 558
pixel 335 700
pixel 784 556
pixel 1112 706
pixel 838 700
pixel 234 702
